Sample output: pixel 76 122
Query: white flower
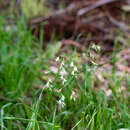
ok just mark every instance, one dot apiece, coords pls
pixel 64 80
pixel 57 59
pixel 94 63
pixel 91 55
pixel 72 64
pixel 61 102
pixel 73 72
pixel 62 65
pixel 62 98
pixel 46 72
pixel 73 96
pixel 61 77
pixel 75 69
pixel 83 54
pixel 96 47
pixel 48 83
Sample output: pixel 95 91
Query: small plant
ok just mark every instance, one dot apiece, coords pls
pixel 35 95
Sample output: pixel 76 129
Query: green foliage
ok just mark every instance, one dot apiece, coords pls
pixel 31 99
pixel 33 8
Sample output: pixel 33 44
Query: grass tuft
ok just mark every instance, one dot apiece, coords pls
pixel 35 94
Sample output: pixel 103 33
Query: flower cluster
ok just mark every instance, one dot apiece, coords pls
pixel 74 68
pixel 61 102
pixel 96 48
pixel 73 96
pixel 49 84
pixel 62 71
pixel 57 59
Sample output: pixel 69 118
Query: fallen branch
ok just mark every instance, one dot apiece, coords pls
pixel 100 3
pixel 119 24
pixel 72 9
pixel 69 10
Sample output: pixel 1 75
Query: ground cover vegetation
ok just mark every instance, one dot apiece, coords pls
pixel 60 84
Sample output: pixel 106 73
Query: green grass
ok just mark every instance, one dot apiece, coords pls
pixel 32 99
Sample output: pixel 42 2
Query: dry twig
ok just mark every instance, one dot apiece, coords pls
pixel 100 3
